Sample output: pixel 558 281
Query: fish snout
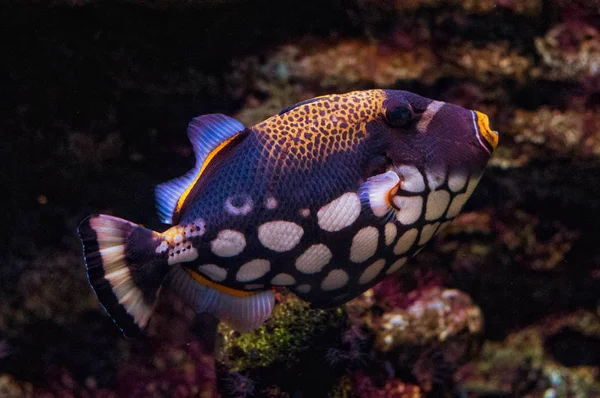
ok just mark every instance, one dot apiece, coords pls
pixel 487 137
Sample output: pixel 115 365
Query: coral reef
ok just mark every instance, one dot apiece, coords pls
pixel 10 388
pixel 435 316
pixel 555 358
pixel 291 329
pixel 293 335
pixel 570 51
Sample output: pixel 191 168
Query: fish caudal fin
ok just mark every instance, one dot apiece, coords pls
pixel 124 269
pixel 242 312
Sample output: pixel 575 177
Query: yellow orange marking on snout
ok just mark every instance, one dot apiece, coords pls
pixel 483 123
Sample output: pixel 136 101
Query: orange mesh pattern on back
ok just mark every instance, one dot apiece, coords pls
pixel 311 132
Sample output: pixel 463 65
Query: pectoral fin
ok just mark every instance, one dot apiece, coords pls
pixel 377 193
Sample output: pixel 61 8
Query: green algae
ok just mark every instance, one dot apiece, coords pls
pixel 292 328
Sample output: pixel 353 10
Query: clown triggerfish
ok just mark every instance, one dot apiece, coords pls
pixel 326 199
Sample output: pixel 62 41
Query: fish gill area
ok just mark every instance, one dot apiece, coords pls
pixel 95 97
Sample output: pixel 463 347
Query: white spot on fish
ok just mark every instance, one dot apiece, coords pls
pixel 178 238
pixel 214 272
pixel 444 225
pixel 162 247
pixel 390 233
pixel 313 259
pixel 283 280
pixel 303 288
pixel 412 179
pixel 396 265
pixel 457 180
pixel 339 213
pixel 271 203
pixel 410 208
pixel 238 210
pixel 406 241
pixel 181 254
pixel 437 201
pixel 457 204
pixel 428 115
pixel 371 272
pixel 253 270
pixel 254 286
pixel 364 244
pixel 196 229
pixel 436 177
pixel 228 243
pixel 305 212
pixel 280 236
pixel 335 280
pixel 459 200
pixel 427 232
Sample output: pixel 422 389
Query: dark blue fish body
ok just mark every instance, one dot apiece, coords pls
pixel 326 198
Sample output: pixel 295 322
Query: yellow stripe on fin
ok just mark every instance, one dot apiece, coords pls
pixel 209 134
pixel 242 313
pixel 210 157
pixel 223 289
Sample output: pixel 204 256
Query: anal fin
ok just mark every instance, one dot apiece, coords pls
pixel 242 313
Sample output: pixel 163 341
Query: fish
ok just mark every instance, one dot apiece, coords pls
pixel 324 199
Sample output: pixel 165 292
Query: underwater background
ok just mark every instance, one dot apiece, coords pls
pixel 95 97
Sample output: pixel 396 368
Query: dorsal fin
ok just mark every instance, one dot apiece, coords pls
pixel 208 135
pixel 308 101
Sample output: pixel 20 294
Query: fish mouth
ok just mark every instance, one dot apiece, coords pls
pixel 487 137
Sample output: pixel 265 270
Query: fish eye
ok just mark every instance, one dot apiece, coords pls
pixel 399 115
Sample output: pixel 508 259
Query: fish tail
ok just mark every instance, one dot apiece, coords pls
pixel 125 269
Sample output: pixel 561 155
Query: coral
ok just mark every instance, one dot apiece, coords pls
pixel 547 132
pixel 364 387
pixel 488 64
pixel 427 331
pixel 352 62
pixel 175 360
pixel 59 382
pixel 472 6
pixel 10 388
pixel 563 132
pixel 524 364
pixel 175 370
pixel 41 287
pixel 570 51
pixel 435 316
pixel 536 245
pixel 343 65
pixel 291 329
pixel 529 241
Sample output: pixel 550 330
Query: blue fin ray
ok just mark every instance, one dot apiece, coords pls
pixel 205 132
